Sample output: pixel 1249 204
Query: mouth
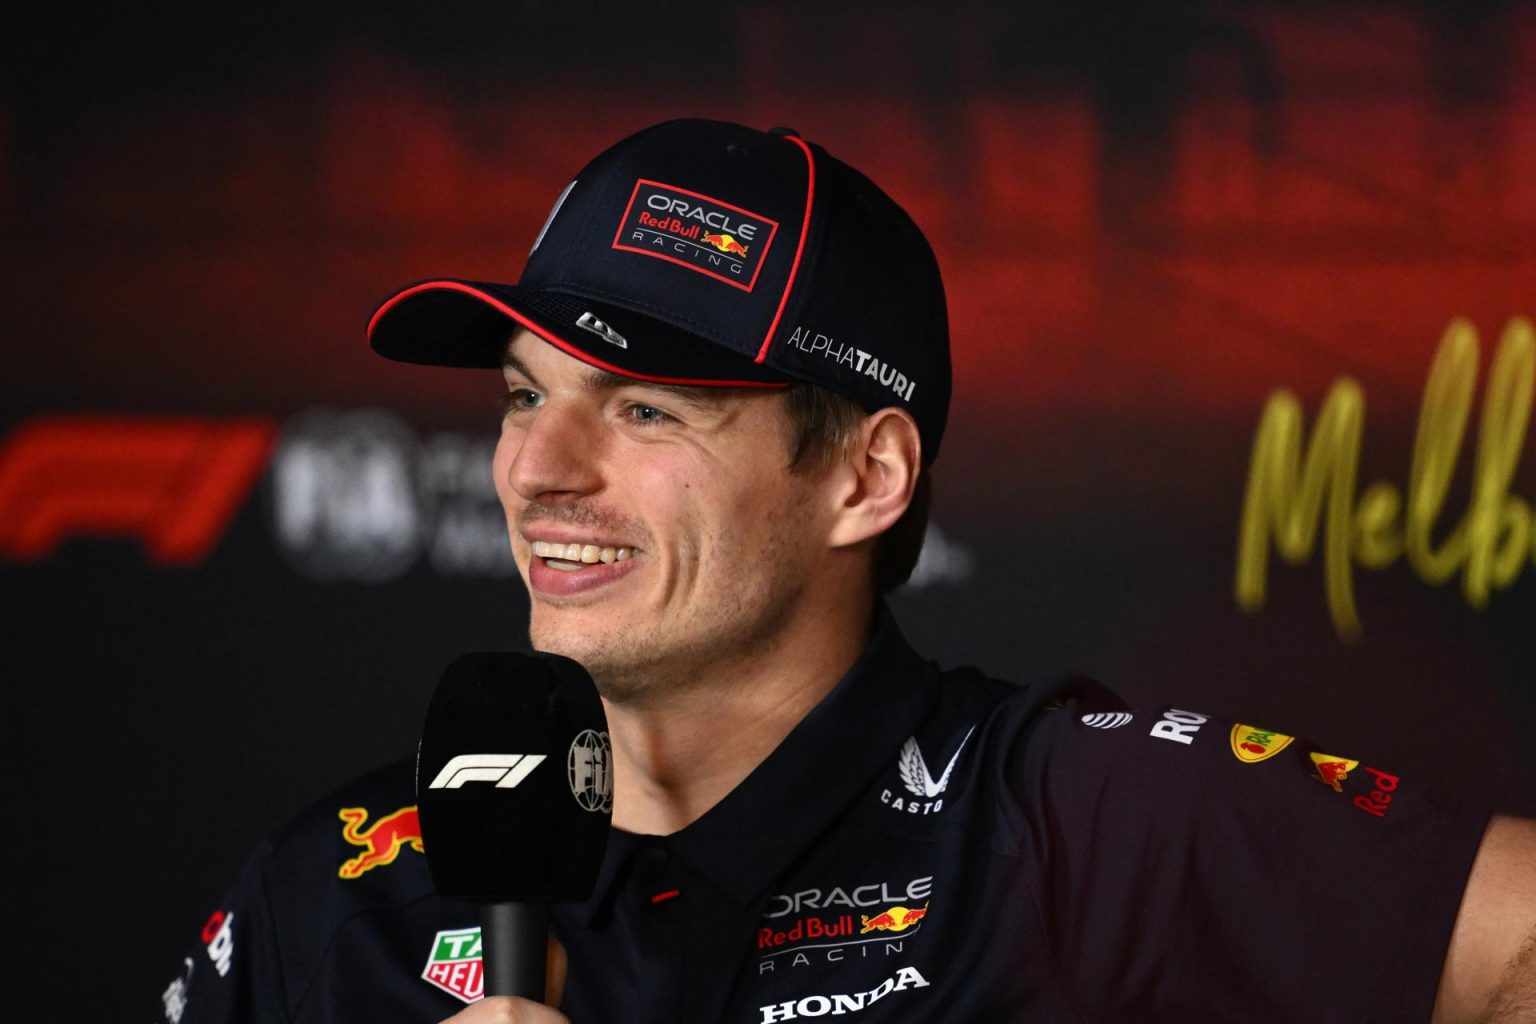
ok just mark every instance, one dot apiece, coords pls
pixel 568 569
pixel 575 557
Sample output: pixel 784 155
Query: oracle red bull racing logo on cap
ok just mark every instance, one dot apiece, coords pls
pixel 696 231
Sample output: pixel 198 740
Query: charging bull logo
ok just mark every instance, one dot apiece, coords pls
pixel 382 841
pixel 1331 770
pixel 897 919
pixel 726 243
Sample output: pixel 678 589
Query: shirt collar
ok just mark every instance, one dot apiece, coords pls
pixel 744 842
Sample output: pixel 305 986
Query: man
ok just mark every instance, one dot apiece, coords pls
pixel 727 371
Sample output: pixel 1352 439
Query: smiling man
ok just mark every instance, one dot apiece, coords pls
pixel 726 368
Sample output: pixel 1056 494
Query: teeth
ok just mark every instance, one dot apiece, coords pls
pixel 578 554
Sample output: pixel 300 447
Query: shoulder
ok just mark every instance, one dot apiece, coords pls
pixel 359 844
pixel 1008 717
pixel 350 865
pixel 1152 830
pixel 999 724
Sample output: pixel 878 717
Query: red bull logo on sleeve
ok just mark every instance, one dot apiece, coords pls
pixel 382 841
pixel 896 919
pixel 1250 744
pixel 1332 771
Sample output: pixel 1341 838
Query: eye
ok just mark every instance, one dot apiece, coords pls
pixel 645 415
pixel 520 399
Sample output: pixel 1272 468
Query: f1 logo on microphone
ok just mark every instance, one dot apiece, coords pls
pixel 506 770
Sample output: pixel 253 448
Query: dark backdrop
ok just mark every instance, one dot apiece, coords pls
pixel 236 549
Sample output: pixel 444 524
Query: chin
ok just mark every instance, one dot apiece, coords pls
pixel 621 672
pixel 565 636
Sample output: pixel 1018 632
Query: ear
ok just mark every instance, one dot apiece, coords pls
pixel 878 477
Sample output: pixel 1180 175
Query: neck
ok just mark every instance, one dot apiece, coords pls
pixel 677 756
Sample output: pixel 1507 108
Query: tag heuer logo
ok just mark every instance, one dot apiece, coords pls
pixel 454 964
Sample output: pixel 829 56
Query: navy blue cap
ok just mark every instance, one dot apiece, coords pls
pixel 707 253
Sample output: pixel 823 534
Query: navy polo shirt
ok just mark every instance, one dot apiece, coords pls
pixel 925 845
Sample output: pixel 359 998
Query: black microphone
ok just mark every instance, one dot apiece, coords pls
pixel 514 789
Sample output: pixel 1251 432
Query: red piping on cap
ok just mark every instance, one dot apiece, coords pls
pixel 560 343
pixel 805 227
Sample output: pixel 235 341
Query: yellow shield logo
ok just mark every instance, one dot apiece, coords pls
pixel 1251 744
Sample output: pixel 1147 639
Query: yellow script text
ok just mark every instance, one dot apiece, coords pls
pixel 1297 485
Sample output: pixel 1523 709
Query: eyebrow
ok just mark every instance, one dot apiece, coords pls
pixel 606 380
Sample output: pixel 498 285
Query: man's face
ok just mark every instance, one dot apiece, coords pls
pixel 658 529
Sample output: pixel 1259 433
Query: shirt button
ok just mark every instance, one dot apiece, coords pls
pixel 655 856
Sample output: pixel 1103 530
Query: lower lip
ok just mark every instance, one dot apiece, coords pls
pixel 560 583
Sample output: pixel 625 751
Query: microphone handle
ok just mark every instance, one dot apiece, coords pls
pixel 515 941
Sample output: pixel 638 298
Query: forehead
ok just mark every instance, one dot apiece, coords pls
pixel 531 358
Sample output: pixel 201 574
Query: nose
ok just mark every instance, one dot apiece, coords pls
pixel 555 455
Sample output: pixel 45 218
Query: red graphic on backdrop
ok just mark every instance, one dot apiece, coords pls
pixel 174 483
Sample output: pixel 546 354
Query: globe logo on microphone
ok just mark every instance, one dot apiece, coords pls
pixel 589 767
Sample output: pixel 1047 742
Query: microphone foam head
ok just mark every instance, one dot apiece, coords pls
pixel 514 781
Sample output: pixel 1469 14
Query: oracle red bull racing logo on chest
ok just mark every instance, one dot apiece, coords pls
pixel 696 231
pixel 841 924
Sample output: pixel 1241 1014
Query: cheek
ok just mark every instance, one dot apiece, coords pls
pixel 762 518
pixel 501 464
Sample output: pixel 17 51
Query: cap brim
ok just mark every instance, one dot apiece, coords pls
pixel 450 322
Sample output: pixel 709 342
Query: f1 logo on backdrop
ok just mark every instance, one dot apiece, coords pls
pixel 172 483
pixel 352 495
